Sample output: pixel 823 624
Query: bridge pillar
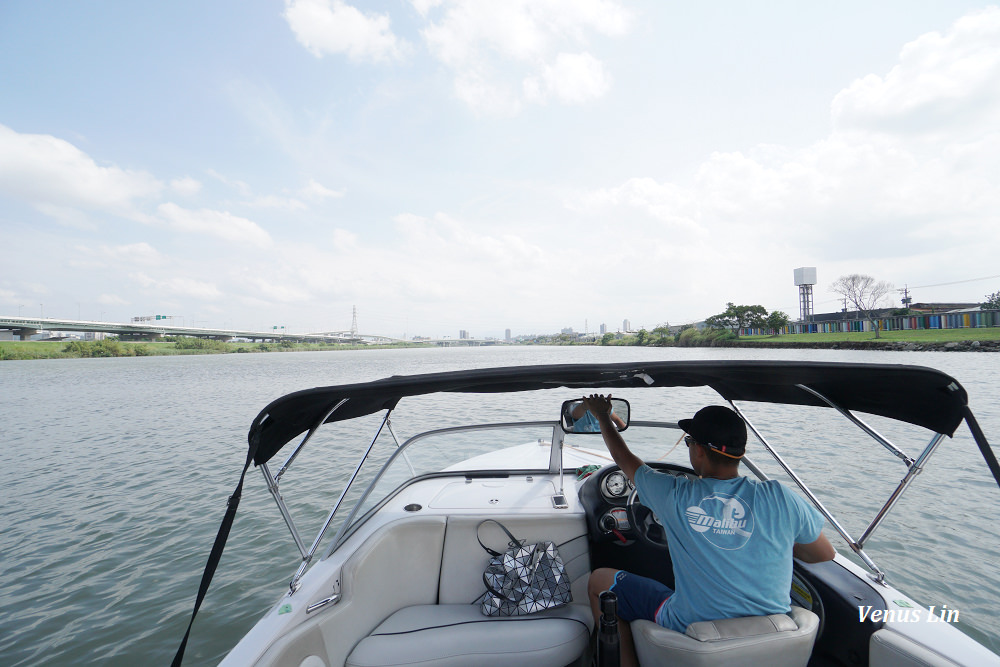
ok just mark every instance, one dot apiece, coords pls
pixel 25 334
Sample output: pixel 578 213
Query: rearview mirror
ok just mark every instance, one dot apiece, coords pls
pixel 575 418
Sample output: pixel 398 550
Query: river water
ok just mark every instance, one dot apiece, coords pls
pixel 117 473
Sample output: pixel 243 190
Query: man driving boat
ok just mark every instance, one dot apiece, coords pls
pixel 731 538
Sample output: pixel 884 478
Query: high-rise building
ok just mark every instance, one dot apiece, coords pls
pixel 626 326
pixel 506 335
pixel 604 328
pixel 463 334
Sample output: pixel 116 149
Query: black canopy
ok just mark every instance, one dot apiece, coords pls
pixel 913 394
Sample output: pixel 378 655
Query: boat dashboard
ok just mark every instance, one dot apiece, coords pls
pixel 622 532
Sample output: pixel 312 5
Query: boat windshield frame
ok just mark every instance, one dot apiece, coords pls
pixel 555 467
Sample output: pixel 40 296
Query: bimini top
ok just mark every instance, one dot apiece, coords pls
pixel 914 394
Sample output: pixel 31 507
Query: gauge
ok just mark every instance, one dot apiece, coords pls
pixel 616 484
pixel 620 515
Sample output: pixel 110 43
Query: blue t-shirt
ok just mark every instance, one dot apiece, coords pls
pixel 730 542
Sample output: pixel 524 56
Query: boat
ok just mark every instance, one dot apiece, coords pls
pixel 395 573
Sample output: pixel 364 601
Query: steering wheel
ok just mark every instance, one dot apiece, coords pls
pixel 645 523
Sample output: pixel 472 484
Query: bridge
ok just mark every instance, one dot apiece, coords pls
pixel 25 327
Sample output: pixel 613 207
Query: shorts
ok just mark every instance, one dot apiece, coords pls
pixel 639 597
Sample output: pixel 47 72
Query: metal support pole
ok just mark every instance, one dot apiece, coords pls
pixel 555 459
pixel 863 426
pixel 272 486
pixel 914 470
pixel 879 575
pixel 754 469
pixel 291 457
pixel 307 557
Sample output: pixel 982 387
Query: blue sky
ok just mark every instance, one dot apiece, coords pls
pixel 531 165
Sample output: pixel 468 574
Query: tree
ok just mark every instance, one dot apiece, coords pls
pixel 607 338
pixel 738 317
pixel 662 333
pixel 776 321
pixel 640 338
pixel 864 293
pixel 992 302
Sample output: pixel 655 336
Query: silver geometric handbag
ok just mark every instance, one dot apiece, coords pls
pixel 523 579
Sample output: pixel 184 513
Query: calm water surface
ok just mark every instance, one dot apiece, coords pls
pixel 118 471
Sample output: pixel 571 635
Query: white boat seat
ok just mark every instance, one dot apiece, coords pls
pixel 778 640
pixel 456 635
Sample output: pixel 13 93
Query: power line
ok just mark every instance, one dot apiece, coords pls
pixel 970 280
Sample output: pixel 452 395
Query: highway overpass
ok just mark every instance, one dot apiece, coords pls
pixel 25 327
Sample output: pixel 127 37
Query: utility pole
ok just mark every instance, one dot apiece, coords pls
pixel 906 296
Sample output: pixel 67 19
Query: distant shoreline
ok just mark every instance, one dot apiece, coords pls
pixel 32 350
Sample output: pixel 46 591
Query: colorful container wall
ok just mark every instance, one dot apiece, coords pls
pixel 968 320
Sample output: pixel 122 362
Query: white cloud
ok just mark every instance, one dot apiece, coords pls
pixel 89 259
pixel 573 79
pixel 137 253
pixel 943 84
pixel 505 54
pixel 185 186
pixel 178 287
pixel 904 188
pixel 317 191
pixel 331 27
pixel 220 224
pixel 241 187
pixel 275 201
pixel 55 175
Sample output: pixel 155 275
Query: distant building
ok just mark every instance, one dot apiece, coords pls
pixel 604 329
pixel 506 335
pixel 626 325
pixel 567 330
pixel 463 334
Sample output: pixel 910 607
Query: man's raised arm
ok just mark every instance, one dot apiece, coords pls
pixel 600 407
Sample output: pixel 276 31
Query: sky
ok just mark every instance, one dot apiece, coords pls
pixel 530 165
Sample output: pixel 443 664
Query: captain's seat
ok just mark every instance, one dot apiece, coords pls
pixel 778 640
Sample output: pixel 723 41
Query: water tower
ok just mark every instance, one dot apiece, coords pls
pixel 805 278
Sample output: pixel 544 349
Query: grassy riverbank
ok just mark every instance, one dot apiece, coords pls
pixel 983 339
pixel 980 339
pixel 906 336
pixel 20 350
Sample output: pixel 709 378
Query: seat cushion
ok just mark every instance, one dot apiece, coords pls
pixel 735 628
pixel 776 641
pixel 459 634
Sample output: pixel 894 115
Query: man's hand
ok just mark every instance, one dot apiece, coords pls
pixel 600 407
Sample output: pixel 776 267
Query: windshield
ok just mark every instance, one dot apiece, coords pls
pixel 499 447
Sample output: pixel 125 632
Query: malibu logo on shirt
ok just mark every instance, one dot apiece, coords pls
pixel 726 521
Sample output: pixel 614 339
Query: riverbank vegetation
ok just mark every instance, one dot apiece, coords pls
pixel 989 337
pixel 983 338
pixel 181 345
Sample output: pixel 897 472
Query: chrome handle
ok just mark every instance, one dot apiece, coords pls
pixel 333 599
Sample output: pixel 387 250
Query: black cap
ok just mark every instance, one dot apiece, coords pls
pixel 718 428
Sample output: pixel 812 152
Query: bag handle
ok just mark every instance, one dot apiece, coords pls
pixel 513 540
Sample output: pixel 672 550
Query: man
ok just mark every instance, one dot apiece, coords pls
pixel 731 538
